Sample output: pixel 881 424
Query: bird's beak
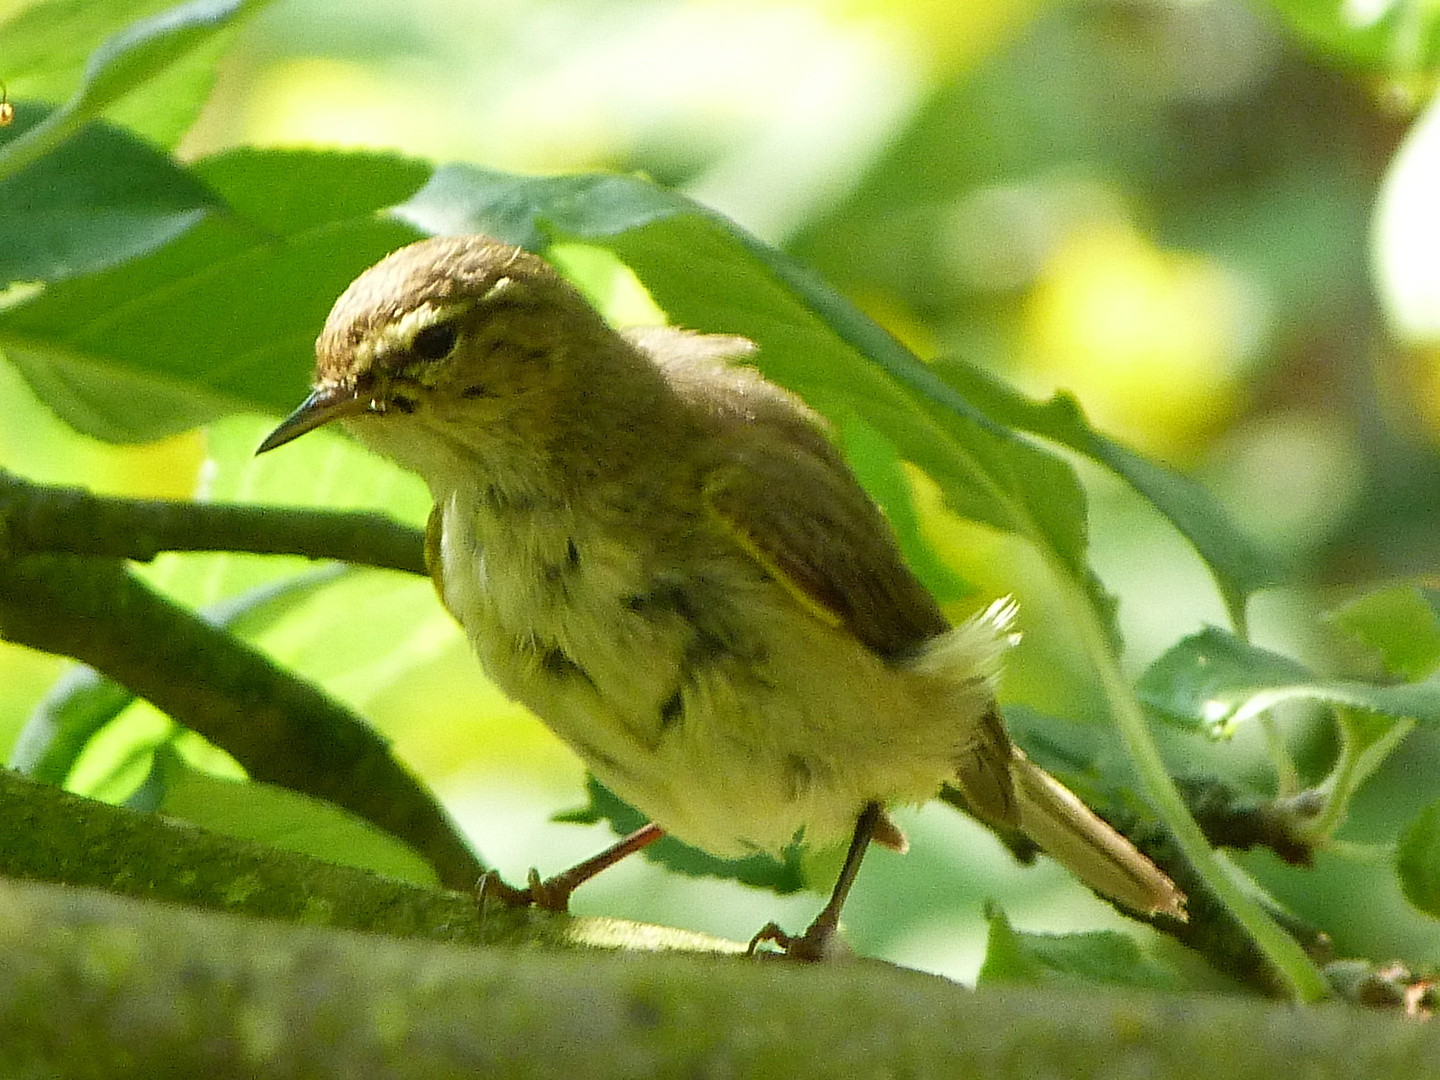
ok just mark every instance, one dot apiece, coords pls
pixel 324 404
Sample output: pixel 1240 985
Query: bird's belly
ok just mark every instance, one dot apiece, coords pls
pixel 731 717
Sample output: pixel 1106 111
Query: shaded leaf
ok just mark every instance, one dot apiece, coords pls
pixel 1239 566
pixel 761 871
pixel 1418 860
pixel 1213 681
pixel 99 199
pixel 1093 957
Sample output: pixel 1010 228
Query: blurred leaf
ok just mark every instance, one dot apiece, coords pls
pixel 1238 565
pixel 283 819
pixel 223 318
pixel 47 45
pixel 1418 860
pixel 1212 681
pixel 1095 957
pixel 761 871
pixel 101 198
pixel 124 61
pixel 82 701
pixel 1393 37
pixel 811 339
pixel 1401 624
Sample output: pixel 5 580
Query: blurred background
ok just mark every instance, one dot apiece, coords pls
pixel 1224 243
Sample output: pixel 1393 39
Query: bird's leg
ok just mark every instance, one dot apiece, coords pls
pixel 553 894
pixel 818 941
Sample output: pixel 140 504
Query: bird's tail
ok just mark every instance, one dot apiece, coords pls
pixel 1077 838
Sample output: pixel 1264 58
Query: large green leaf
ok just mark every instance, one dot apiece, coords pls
pixel 1240 567
pixel 223 318
pixel 98 200
pixel 707 273
pixel 1213 681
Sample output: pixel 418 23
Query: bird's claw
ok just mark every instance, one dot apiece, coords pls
pixel 819 943
pixel 551 895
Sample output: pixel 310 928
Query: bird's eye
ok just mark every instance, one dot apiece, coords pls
pixel 435 341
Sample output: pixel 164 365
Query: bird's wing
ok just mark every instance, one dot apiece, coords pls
pixel 802 516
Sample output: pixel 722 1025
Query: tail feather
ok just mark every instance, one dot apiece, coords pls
pixel 1076 837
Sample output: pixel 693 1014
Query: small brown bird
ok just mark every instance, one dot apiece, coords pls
pixel 663 556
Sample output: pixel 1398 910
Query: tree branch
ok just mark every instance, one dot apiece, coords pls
pixel 38 519
pixel 65 839
pixel 92 984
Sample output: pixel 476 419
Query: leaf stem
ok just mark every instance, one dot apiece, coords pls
pixel 1294 967
pixel 1357 762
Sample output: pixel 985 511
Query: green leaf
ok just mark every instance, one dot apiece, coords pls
pixel 1400 623
pixel 83 702
pixel 1418 860
pixel 709 274
pixel 124 61
pixel 1213 681
pixel 1395 37
pixel 283 819
pixel 878 467
pixel 778 875
pixel 1094 957
pixel 1239 566
pixel 222 319
pixel 101 198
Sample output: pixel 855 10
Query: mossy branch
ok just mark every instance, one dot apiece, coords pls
pixel 97 985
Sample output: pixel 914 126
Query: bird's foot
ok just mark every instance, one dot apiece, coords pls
pixel 551 894
pixel 819 943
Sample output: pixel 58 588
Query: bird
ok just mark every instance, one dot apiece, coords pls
pixel 664 556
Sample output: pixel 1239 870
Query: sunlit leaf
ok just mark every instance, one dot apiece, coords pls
pixel 82 701
pixel 1395 37
pixel 283 819
pixel 123 62
pixel 1213 681
pixel 224 318
pixel 48 45
pixel 1401 624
